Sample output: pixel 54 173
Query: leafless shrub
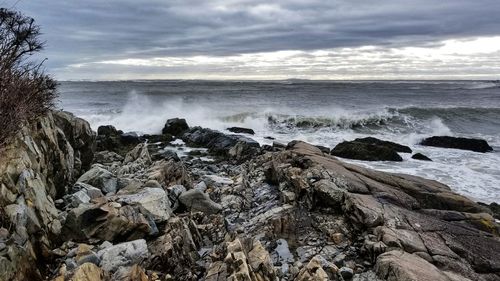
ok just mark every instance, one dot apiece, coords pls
pixel 26 92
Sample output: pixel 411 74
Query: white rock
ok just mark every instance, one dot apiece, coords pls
pixel 153 200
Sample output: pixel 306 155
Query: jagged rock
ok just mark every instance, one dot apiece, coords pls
pixel 365 151
pixel 136 160
pixel 91 191
pixel 108 130
pixel 36 166
pixel 108 222
pixel 107 157
pixel 100 178
pixel 477 145
pixel 170 173
pixel 315 270
pixel 88 272
pixel 238 265
pixel 176 251
pixel 175 127
pixel 123 254
pixel 153 200
pixel 240 130
pixel 217 142
pixel 420 156
pixel 80 136
pixel 196 200
pixel 173 193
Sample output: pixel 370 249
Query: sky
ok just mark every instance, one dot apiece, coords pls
pixel 265 40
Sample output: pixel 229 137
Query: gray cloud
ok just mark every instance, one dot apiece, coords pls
pixel 79 32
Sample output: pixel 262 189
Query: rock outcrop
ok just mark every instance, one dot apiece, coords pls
pixel 369 149
pixel 477 145
pixel 35 170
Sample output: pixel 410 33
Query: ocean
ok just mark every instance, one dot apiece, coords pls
pixel 319 112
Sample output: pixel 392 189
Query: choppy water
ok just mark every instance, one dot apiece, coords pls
pixel 324 113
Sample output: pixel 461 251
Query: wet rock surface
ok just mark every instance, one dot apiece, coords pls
pixel 477 145
pixel 233 211
pixel 369 149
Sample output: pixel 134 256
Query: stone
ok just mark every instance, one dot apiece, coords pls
pixel 365 151
pixel 173 194
pixel 100 178
pixel 240 130
pixel 402 266
pixel 107 130
pixel 123 254
pixel 88 272
pixel 420 156
pixel 154 200
pixel 131 273
pixel 196 200
pixel 391 145
pixel 175 127
pixel 477 145
pixel 346 273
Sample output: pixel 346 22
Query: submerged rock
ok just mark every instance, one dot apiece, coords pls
pixel 477 145
pixel 420 156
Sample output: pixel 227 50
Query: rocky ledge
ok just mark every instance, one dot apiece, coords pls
pixel 224 208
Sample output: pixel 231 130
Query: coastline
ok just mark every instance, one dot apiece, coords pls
pixel 114 205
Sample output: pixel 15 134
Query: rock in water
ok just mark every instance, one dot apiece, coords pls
pixel 365 151
pixel 175 127
pixel 477 145
pixel 389 144
pixel 420 156
pixel 240 130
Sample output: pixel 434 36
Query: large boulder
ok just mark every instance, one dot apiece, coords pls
pixel 153 200
pixel 111 139
pixel 365 151
pixel 124 254
pixel 175 127
pixel 217 142
pixel 101 178
pixel 389 144
pixel 196 200
pixel 477 145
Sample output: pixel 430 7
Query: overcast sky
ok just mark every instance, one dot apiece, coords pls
pixel 254 39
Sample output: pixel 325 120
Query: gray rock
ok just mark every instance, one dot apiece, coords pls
pixel 194 199
pixel 346 273
pixel 173 193
pixel 100 178
pixel 153 200
pixel 123 254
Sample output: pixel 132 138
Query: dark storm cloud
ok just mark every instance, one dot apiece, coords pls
pixel 95 30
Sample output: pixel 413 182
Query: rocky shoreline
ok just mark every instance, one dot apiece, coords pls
pixel 198 204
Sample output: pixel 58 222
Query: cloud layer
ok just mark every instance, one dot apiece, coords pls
pixel 240 39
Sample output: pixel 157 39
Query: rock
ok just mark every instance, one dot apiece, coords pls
pixel 217 142
pixel 36 166
pixel 401 266
pixel 240 130
pixel 420 156
pixel 80 136
pixel 346 273
pixel 169 173
pixel 132 273
pixel 123 254
pixel 100 178
pixel 88 272
pixel 108 130
pixel 247 260
pixel 130 138
pixel 153 200
pixel 494 207
pixel 175 251
pixel 175 127
pixel 107 157
pixel 75 199
pixel 477 145
pixel 317 269
pixel 365 151
pixel 196 200
pixel 108 222
pixel 173 194
pixel 392 145
pixel 91 191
